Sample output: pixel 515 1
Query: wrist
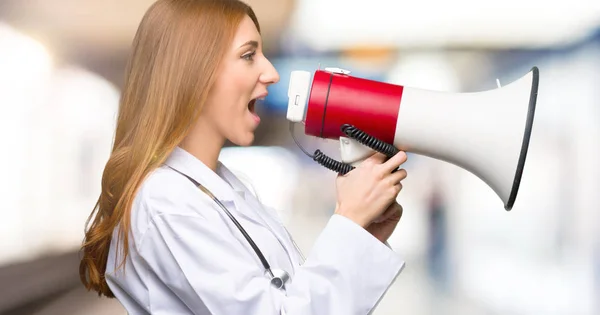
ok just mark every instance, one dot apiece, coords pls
pixel 352 216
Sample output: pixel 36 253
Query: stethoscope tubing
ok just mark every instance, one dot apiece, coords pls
pixel 258 252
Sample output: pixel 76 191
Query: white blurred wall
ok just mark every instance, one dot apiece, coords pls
pixel 56 133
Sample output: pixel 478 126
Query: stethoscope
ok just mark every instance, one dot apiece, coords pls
pixel 279 277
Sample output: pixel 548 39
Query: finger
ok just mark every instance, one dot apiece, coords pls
pixel 376 158
pixel 394 162
pixel 394 190
pixel 396 177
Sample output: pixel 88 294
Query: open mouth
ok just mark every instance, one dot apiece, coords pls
pixel 251 105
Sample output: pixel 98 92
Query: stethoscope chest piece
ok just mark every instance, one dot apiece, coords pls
pixel 280 278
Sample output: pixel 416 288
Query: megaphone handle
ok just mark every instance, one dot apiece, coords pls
pixel 369 141
pixel 336 166
pixel 356 134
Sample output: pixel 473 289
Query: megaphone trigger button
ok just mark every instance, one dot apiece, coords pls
pixel 337 70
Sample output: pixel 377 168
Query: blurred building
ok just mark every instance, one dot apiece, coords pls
pixel 61 68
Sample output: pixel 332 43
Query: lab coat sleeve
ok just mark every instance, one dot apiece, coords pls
pixel 212 272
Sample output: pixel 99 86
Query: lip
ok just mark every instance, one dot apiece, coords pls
pixel 261 96
pixel 256 118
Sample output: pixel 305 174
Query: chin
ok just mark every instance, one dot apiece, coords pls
pixel 245 141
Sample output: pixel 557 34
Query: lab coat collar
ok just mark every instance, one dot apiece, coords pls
pixel 230 191
pixel 188 164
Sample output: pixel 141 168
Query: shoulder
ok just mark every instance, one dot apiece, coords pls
pixel 165 192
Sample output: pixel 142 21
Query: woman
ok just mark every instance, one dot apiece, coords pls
pixel 161 245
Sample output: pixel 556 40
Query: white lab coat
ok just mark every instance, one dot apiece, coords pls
pixel 187 257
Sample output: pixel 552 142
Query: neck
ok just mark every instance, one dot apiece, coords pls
pixel 205 143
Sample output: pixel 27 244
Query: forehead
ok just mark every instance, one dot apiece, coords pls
pixel 246 31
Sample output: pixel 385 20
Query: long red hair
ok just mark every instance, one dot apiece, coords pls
pixel 174 60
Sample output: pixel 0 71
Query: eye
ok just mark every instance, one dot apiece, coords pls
pixel 249 56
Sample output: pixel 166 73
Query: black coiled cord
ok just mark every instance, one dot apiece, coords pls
pixel 336 166
pixel 356 134
pixel 369 141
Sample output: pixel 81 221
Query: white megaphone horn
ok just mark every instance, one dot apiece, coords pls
pixel 486 133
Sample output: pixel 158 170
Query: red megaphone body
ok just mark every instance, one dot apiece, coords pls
pixel 338 99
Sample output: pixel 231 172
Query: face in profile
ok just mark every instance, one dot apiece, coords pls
pixel 242 79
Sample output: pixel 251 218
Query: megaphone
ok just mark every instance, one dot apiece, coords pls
pixel 486 133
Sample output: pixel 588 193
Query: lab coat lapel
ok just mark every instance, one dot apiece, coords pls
pixel 189 165
pixel 241 207
pixel 269 218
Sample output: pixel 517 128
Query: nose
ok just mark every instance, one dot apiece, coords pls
pixel 269 75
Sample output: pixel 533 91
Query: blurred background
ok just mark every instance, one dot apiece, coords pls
pixel 61 69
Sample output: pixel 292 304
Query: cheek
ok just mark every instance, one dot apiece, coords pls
pixel 223 100
pixel 240 81
pixel 225 110
pixel 235 93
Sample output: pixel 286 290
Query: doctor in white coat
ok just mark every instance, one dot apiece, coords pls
pixel 175 232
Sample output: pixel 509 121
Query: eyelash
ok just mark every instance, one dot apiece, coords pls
pixel 250 56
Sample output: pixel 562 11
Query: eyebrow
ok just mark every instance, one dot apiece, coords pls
pixel 252 43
